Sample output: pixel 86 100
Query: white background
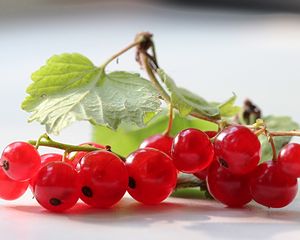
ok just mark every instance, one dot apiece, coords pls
pixel 212 52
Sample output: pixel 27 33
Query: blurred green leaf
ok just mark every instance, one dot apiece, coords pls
pixel 190 193
pixel 228 109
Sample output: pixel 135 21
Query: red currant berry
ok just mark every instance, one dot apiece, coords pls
pixel 57 186
pixel 104 179
pixel 229 189
pixel 11 189
pixel 202 174
pixel 211 134
pixel 192 151
pixel 160 142
pixel 45 159
pixel 152 175
pixel 79 155
pixel 238 149
pixel 20 161
pixel 50 157
pixel 289 159
pixel 271 187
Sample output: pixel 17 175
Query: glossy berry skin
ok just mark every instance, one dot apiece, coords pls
pixel 11 189
pixel 192 151
pixel 160 142
pixel 289 159
pixel 211 134
pixel 45 159
pixel 104 179
pixel 20 161
pixel 152 175
pixel 231 190
pixel 237 149
pixel 79 155
pixel 271 187
pixel 50 157
pixel 57 186
pixel 202 174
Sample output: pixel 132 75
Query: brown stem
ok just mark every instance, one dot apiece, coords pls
pixel 260 131
pixel 196 115
pixel 285 133
pixel 134 44
pixel 170 122
pixel 271 141
pixel 153 79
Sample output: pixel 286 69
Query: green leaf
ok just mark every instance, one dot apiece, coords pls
pixel 70 88
pixel 190 193
pixel 185 101
pixel 127 138
pixel 275 123
pixel 228 109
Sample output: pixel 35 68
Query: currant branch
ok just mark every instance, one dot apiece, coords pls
pixel 149 63
pixel 68 148
pixel 285 133
pixel 137 42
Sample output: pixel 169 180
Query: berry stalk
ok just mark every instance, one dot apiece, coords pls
pixel 285 133
pixel 68 148
pixel 137 42
pixel 170 122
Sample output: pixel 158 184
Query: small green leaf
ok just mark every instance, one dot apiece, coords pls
pixel 228 109
pixel 127 138
pixel 70 88
pixel 275 123
pixel 185 101
pixel 190 193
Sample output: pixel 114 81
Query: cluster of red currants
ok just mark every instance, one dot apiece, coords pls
pixel 230 165
pixel 101 178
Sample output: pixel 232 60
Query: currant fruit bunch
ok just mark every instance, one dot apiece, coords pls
pixel 227 161
pixel 99 178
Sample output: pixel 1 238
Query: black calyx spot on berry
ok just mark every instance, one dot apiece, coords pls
pixel 87 191
pixel 55 201
pixel 223 163
pixel 5 165
pixel 131 183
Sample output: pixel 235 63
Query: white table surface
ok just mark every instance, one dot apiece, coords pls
pixel 173 219
pixel 213 52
